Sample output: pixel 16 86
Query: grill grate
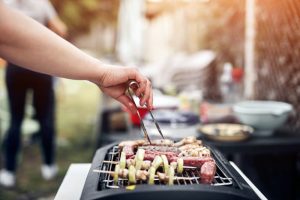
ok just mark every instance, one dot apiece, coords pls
pixel 191 176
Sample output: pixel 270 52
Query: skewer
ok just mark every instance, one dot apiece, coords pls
pixel 155 177
pixel 116 162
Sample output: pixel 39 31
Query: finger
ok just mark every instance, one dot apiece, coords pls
pixel 134 74
pixel 142 87
pixel 150 100
pixel 146 95
pixel 127 102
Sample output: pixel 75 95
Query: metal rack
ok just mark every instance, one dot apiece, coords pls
pixel 189 177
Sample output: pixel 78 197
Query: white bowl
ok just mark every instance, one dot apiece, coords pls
pixel 265 116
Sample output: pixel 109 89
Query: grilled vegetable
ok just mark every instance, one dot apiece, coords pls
pixel 140 154
pixel 146 164
pixel 151 171
pixel 116 174
pixel 141 175
pixel 165 163
pixel 173 164
pixel 130 162
pixel 180 165
pixel 139 159
pixel 157 162
pixel 171 175
pixel 131 175
pixel 123 160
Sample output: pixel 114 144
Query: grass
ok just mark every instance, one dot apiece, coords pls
pixel 77 104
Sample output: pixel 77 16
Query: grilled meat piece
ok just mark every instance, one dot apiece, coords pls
pixel 207 172
pixel 189 146
pixel 162 142
pixel 150 155
pixel 160 148
pixel 129 151
pixel 133 143
pixel 196 152
pixel 188 140
pixel 195 161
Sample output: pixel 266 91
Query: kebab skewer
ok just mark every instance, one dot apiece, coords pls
pixel 143 175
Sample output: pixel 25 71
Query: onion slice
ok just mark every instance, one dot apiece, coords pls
pixel 157 162
pixel 165 163
pixel 180 165
pixel 123 160
pixel 139 159
pixel 151 171
pixel 131 175
pixel 116 174
pixel 171 175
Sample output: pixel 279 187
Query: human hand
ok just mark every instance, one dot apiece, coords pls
pixel 114 82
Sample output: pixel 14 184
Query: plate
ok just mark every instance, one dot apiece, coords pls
pixel 226 132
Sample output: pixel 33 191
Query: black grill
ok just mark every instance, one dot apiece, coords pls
pixel 227 184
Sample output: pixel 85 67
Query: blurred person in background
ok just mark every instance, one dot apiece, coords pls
pixel 18 82
pixel 27 43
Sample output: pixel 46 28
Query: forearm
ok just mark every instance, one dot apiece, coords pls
pixel 26 43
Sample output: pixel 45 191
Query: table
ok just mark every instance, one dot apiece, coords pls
pixel 282 141
pixel 72 185
pixel 270 162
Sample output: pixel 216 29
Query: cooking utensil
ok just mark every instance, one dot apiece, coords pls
pixel 134 85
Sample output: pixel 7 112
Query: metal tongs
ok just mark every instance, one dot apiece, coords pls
pixel 133 85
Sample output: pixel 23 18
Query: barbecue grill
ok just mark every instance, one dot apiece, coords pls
pixel 228 183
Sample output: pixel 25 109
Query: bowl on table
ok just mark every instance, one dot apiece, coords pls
pixel 264 116
pixel 226 132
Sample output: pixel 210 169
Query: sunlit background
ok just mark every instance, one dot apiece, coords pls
pixel 182 46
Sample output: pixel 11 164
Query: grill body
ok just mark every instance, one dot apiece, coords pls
pixel 228 184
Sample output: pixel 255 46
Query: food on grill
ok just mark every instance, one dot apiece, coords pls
pixel 146 164
pixel 157 162
pixel 188 140
pixel 133 143
pixel 196 161
pixel 152 171
pixel 128 147
pixel 162 142
pixel 162 160
pixel 207 172
pixel 131 175
pixel 142 175
pixel 150 155
pixel 173 164
pixel 171 175
pixel 128 150
pixel 139 158
pixel 180 165
pixel 122 160
pixel 165 163
pixel 116 174
pixel 160 148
